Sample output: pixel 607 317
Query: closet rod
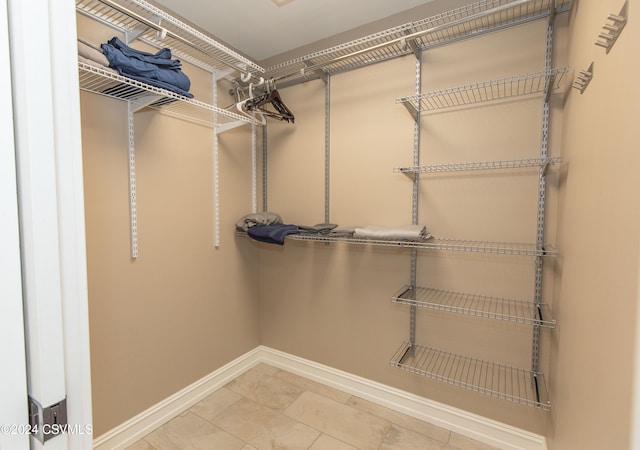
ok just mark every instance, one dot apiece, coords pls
pixel 164 31
pixel 403 39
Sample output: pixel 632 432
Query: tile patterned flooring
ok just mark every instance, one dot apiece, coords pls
pixel 268 408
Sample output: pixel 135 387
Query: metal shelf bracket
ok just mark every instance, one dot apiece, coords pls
pixel 583 79
pixel 412 110
pixel 613 28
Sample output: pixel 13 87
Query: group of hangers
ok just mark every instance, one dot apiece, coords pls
pixel 263 101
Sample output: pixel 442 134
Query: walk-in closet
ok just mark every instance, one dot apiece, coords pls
pixel 430 211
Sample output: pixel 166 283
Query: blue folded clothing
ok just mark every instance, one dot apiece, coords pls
pixel 155 70
pixel 272 234
pixel 162 58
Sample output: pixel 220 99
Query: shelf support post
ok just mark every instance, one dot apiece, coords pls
pixel 544 142
pixel 254 168
pixel 264 168
pixel 133 210
pixel 216 183
pixel 414 202
pixel 327 147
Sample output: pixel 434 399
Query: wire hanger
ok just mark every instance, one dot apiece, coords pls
pixel 271 96
pixel 257 115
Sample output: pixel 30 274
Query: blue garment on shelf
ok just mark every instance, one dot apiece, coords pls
pixel 163 73
pixel 162 58
pixel 272 234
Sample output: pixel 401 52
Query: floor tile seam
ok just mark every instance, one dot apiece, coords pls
pixel 397 424
pixel 279 412
pixel 314 441
pixel 219 412
pixel 384 438
pixel 282 411
pixel 302 391
pixel 148 443
pixel 325 432
pixel 230 433
pixel 322 433
pixel 337 438
pixel 314 381
pixel 218 427
pixel 261 403
pixel 294 386
pixel 431 438
pixel 353 406
pixel 258 367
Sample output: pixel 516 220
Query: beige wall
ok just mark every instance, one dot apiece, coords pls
pixel 596 296
pixel 182 309
pixel 331 304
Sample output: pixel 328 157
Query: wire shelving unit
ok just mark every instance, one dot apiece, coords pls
pixel 521 386
pixel 141 20
pixel 479 165
pixel 488 307
pixel 472 20
pixel 486 91
pixel 452 245
pixel 105 82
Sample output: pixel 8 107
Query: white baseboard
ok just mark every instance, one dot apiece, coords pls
pixel 471 425
pixel 144 423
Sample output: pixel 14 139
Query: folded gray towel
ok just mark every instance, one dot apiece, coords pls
pixel 409 232
pixel 252 220
pixel 320 228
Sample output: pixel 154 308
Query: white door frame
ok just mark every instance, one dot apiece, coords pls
pixel 46 114
pixel 13 376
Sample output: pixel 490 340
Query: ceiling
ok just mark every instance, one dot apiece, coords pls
pixel 264 28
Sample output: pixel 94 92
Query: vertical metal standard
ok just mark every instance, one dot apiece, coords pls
pixel 414 203
pixel 327 147
pixel 264 168
pixel 254 169
pixel 216 182
pixel 133 209
pixel 544 141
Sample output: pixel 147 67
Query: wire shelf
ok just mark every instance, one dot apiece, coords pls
pixel 159 29
pixel 110 84
pixel 461 23
pixel 509 310
pixel 502 248
pixel 487 91
pixel 521 386
pixel 479 165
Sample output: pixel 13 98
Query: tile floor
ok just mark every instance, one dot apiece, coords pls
pixel 269 408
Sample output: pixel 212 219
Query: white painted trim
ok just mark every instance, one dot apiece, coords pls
pixel 71 221
pixel 13 376
pixel 470 425
pixel 144 423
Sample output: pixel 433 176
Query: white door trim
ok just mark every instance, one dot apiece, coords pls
pixel 46 114
pixel 13 376
pixel 71 221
